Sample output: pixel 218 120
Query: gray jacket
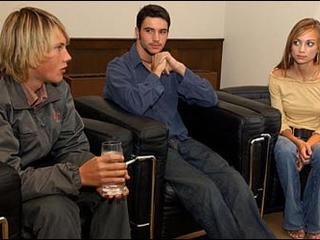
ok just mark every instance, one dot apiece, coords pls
pixel 45 144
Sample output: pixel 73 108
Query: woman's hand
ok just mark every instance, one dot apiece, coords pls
pixel 304 153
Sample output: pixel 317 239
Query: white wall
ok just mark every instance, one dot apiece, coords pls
pixel 116 19
pixel 254 32
pixel 255 37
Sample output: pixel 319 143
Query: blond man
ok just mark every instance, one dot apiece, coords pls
pixel 42 137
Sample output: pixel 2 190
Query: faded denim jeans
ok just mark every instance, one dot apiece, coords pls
pixel 305 213
pixel 214 193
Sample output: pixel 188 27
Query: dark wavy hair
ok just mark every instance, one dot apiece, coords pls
pixel 152 10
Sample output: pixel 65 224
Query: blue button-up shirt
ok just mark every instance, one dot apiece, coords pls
pixel 132 86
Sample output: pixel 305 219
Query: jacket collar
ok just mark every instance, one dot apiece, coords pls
pixel 19 99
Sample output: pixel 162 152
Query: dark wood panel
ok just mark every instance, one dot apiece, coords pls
pixel 91 55
pixel 86 85
pixel 212 77
pixel 92 84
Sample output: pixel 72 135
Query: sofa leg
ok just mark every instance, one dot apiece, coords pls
pixel 5 228
pixel 266 173
pixel 266 139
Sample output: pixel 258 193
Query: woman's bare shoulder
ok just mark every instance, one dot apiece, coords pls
pixel 277 73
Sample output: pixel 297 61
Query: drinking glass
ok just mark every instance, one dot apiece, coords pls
pixel 112 147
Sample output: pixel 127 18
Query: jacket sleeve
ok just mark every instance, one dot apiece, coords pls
pixel 72 144
pixel 133 95
pixel 196 91
pixel 57 179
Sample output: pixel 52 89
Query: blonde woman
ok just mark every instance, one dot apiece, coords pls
pixel 294 87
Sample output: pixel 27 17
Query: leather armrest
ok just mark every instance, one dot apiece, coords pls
pixel 226 128
pixel 257 98
pixel 99 131
pixel 96 107
pixel 140 185
pixel 149 138
pixel 272 116
pixel 10 200
pixel 257 93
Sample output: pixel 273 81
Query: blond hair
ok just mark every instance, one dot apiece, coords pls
pixel 26 39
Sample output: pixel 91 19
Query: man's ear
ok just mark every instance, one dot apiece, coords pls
pixel 136 30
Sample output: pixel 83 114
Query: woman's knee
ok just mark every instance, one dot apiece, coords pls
pixel 285 152
pixel 284 146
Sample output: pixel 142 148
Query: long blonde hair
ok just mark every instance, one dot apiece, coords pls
pixel 298 29
pixel 25 40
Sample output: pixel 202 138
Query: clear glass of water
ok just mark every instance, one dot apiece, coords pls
pixel 112 147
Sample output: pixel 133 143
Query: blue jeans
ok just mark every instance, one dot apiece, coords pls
pixel 305 213
pixel 214 193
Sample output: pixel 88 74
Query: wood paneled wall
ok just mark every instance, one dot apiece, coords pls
pixel 90 57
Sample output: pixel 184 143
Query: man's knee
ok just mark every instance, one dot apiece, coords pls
pixel 52 211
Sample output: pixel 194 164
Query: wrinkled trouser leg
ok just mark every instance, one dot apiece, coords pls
pixel 214 193
pixel 110 220
pixel 58 216
pixel 51 217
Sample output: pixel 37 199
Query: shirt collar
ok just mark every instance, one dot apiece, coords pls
pixel 34 98
pixel 135 58
pixel 18 96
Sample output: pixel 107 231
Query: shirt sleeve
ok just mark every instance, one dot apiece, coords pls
pixel 133 95
pixel 276 101
pixel 198 91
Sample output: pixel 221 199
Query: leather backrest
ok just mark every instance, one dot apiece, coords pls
pixel 257 93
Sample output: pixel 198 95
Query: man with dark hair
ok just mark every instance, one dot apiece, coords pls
pixel 148 81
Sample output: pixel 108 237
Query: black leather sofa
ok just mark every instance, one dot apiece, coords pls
pixel 235 132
